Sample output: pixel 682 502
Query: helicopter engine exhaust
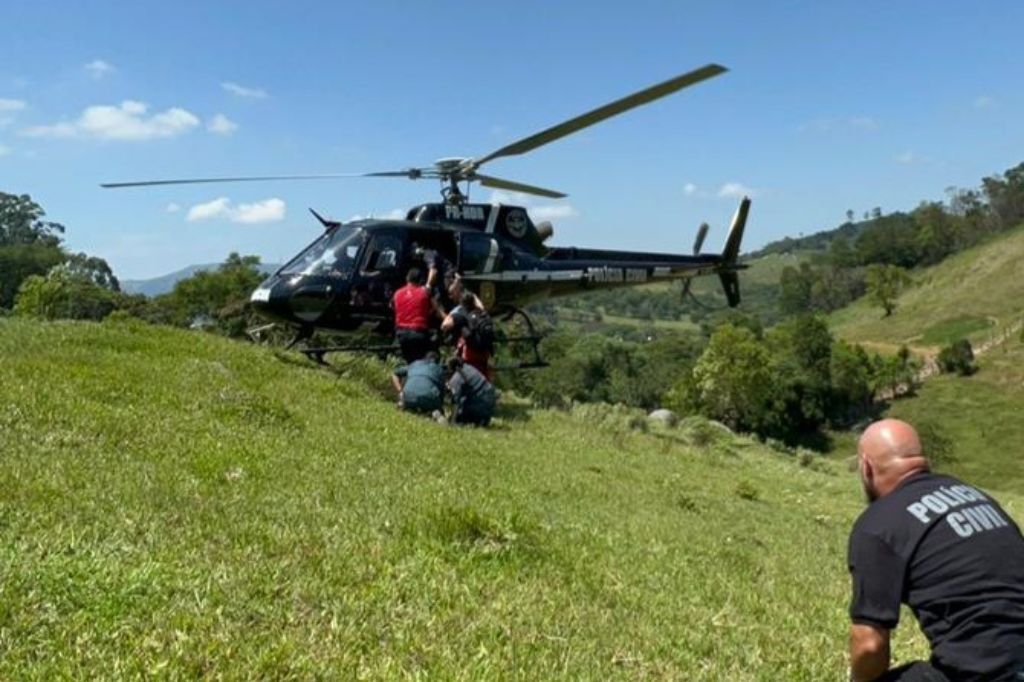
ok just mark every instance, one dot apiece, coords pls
pixel 545 230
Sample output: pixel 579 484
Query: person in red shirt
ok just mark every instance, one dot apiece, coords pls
pixel 415 310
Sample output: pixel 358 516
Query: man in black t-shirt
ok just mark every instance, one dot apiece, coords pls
pixel 944 548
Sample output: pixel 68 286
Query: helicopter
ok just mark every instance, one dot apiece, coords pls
pixel 346 277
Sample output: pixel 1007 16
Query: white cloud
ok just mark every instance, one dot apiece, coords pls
pixel 735 190
pixel 221 125
pixel 984 102
pixel 9 105
pixel 126 122
pixel 690 189
pixel 538 212
pixel 4 151
pixel 98 68
pixel 266 211
pixel 907 157
pixel 552 212
pixel 211 209
pixel 243 91
pixel 172 207
pixel 393 214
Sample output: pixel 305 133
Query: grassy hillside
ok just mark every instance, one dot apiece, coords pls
pixel 978 294
pixel 173 504
pixel 974 293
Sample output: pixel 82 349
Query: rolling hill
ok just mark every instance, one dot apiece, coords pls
pixel 174 504
pixel 977 294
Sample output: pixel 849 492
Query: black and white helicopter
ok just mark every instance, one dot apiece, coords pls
pixel 345 278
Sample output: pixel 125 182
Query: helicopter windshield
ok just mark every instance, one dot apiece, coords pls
pixel 333 255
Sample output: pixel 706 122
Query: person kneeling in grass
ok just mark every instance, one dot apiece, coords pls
pixel 420 385
pixel 946 549
pixel 473 396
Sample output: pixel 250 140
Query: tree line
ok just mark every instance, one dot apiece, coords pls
pixel 40 278
pixel 874 255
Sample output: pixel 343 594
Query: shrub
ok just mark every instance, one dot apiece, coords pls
pixel 957 357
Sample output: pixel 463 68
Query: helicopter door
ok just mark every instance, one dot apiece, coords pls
pixel 478 253
pixel 383 256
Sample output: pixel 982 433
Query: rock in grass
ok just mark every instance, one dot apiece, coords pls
pixel 666 417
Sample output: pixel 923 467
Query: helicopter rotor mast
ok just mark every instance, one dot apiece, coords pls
pixel 457 169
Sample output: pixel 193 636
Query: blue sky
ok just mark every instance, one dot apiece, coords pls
pixel 827 106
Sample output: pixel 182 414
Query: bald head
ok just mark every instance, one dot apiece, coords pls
pixel 889 451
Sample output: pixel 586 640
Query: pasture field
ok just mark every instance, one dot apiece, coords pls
pixel 173 505
pixel 975 294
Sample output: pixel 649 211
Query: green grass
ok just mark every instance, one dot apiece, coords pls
pixel 982 417
pixel 177 505
pixel 972 294
pixel 949 330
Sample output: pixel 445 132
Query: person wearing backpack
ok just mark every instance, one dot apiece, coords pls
pixel 473 331
pixel 473 397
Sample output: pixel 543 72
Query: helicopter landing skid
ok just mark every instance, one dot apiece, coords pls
pixel 532 337
pixel 380 350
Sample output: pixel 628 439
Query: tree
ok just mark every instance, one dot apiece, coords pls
pixel 731 381
pixel 28 244
pixel 20 261
pixel 93 269
pixel 800 360
pixel 885 282
pixel 60 295
pixel 957 357
pixel 21 222
pixel 1005 193
pixel 851 375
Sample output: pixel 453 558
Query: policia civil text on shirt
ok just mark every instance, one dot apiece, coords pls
pixel 946 549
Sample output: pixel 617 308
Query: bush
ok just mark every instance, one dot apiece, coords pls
pixel 957 357
pixel 62 296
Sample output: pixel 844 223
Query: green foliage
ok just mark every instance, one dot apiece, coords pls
pixel 596 368
pixel 221 295
pixel 61 295
pixel 885 282
pixel 851 372
pixel 91 269
pixel 20 261
pixel 731 381
pixel 957 357
pixel 21 222
pixel 951 329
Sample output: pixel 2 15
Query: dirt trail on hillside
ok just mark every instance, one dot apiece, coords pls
pixel 929 354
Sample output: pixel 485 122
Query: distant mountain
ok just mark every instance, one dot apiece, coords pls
pixel 164 283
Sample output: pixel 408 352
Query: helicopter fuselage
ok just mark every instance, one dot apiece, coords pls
pixel 348 275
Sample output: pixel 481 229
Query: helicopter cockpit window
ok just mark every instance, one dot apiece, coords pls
pixel 333 255
pixel 384 253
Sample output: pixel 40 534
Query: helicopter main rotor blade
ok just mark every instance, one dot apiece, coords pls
pixel 411 173
pixel 490 181
pixel 601 113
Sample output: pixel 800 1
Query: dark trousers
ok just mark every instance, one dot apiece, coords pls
pixel 414 344
pixel 919 671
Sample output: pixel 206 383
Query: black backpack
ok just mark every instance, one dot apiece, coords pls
pixel 479 332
